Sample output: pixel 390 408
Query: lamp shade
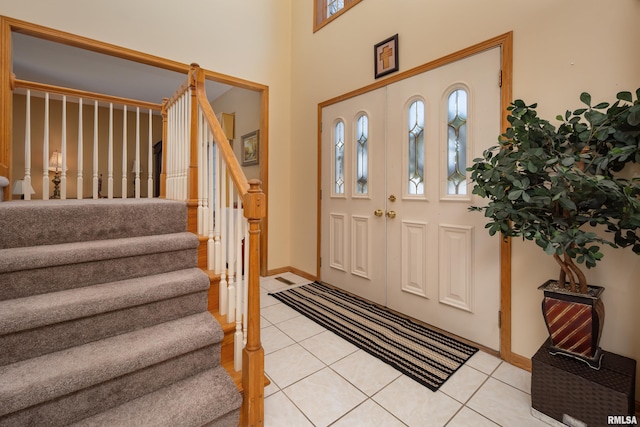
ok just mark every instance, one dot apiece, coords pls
pixel 55 161
pixel 20 187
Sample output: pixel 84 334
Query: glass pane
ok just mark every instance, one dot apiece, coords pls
pixel 416 148
pixel 339 158
pixel 333 6
pixel 457 143
pixel 362 155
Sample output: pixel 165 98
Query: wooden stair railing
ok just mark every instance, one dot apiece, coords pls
pixel 253 201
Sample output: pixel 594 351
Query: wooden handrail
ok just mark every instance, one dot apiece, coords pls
pixel 60 90
pixel 233 167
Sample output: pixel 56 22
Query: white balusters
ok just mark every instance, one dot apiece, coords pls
pixel 231 272
pixel 201 172
pixel 79 182
pixel 124 153
pixel 63 143
pixel 224 297
pixel 136 161
pixel 96 179
pixel 110 155
pixel 27 149
pixel 150 157
pixel 45 150
pixel 66 160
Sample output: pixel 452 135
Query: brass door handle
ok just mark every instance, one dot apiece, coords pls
pixel 392 198
pixel 378 212
pixel 391 214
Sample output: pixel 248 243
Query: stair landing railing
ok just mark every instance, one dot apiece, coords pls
pixel 59 147
pixel 225 210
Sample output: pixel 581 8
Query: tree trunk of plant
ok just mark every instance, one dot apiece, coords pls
pixel 569 270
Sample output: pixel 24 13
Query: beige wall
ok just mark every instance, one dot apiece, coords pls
pixel 245 105
pixel 561 48
pixel 55 143
pixel 249 39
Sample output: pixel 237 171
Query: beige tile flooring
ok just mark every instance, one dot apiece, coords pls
pixel 319 379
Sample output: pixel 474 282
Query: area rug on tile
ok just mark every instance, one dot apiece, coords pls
pixel 427 356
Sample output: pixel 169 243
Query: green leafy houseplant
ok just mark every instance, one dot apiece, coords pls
pixel 561 186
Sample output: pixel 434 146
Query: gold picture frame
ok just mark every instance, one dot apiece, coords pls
pixel 251 148
pixel 385 57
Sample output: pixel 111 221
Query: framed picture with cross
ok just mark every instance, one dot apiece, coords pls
pixel 386 56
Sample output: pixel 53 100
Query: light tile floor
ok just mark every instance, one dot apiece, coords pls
pixel 319 379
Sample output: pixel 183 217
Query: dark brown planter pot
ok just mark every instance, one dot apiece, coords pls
pixel 574 322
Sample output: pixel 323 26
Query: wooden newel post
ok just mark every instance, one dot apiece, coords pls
pixel 253 353
pixel 192 187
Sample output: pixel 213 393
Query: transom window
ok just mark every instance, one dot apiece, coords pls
pixel 327 10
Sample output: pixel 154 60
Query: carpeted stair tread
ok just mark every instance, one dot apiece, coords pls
pixel 30 382
pixel 83 220
pixel 24 283
pixel 195 401
pixel 44 256
pixel 90 401
pixel 45 309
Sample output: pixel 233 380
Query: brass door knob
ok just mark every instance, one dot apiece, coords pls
pixel 392 198
pixel 391 214
pixel 378 212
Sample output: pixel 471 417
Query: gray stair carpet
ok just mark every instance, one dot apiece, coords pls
pixel 103 318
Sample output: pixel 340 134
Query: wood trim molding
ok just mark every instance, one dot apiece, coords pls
pixel 5 103
pixel 74 40
pixel 505 42
pixel 42 87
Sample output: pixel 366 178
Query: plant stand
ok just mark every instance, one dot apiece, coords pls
pixel 567 390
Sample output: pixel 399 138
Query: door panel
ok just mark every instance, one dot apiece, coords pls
pixel 353 237
pixel 461 259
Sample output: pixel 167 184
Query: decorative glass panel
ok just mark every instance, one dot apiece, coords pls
pixel 416 148
pixel 457 143
pixel 333 6
pixel 338 142
pixel 362 154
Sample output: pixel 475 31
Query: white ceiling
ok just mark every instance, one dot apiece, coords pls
pixel 44 61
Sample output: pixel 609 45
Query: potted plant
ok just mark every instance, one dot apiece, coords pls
pixel 564 188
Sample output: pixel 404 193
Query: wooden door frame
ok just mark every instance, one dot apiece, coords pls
pixel 505 43
pixel 9 25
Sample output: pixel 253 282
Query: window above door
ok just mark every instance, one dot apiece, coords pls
pixel 326 11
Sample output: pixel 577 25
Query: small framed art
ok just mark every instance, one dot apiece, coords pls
pixel 250 147
pixel 386 56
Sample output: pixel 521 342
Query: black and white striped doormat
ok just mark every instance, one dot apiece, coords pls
pixel 427 356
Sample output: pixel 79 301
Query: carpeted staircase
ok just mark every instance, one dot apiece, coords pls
pixel 103 318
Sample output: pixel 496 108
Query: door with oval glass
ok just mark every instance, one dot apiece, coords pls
pixel 439 264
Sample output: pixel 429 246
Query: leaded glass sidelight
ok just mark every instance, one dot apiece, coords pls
pixel 416 148
pixel 338 174
pixel 457 142
pixel 362 155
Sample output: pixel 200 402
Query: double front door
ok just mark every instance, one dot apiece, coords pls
pixel 395 225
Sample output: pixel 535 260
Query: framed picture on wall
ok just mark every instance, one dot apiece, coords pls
pixel 386 56
pixel 250 147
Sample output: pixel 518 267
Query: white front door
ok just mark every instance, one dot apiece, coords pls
pixel 442 265
pixel 426 256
